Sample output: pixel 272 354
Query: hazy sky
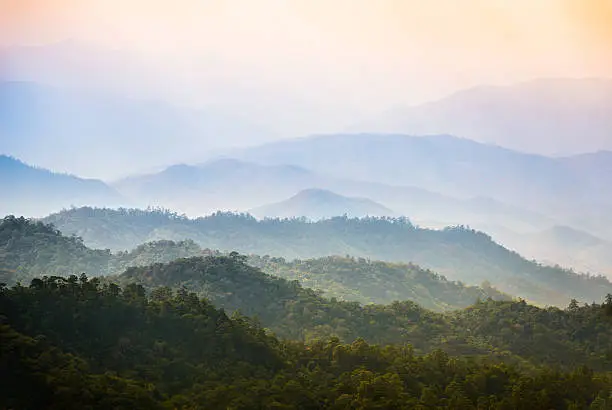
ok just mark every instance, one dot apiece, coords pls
pixel 309 66
pixel 397 50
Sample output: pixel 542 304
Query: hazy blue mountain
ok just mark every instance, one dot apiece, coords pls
pixel 31 191
pixel 320 204
pixel 593 168
pixel 458 253
pixel 547 116
pixel 562 245
pixel 230 184
pixel 449 165
pixel 224 184
pixel 103 134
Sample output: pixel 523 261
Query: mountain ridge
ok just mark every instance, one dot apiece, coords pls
pixel 458 253
pixel 35 191
pixel 316 203
pixel 546 115
pixel 573 191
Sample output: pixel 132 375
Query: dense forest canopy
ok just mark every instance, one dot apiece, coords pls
pixel 458 253
pixel 29 249
pixel 171 324
pixel 122 348
pixel 580 335
pixel 366 281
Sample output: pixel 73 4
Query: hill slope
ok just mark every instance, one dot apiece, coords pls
pixel 458 253
pixel 29 249
pixel 503 328
pixel 445 164
pixel 199 190
pixel 563 245
pixel 319 204
pixel 121 348
pixel 375 281
pixel 570 191
pixel 31 191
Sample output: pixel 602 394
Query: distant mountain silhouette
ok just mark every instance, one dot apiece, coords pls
pixel 236 185
pixel 562 245
pixel 224 184
pixel 571 188
pixel 26 190
pixel 319 204
pixel 104 134
pixel 546 116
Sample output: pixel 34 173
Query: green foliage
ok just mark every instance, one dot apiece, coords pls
pixel 29 248
pixel 76 343
pixel 41 249
pixel 154 252
pixel 513 330
pixel 118 335
pixel 458 253
pixel 37 374
pixel 366 281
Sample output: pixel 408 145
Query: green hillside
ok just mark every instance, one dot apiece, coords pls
pixel 570 337
pixel 365 281
pixel 458 253
pixel 73 343
pixel 30 249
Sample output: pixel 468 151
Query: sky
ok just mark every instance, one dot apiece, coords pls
pixel 399 50
pixel 309 66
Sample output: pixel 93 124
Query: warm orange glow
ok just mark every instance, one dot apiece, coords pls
pixel 439 45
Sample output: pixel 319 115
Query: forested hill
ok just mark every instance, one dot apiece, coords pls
pixel 458 253
pixel 29 249
pixel 574 336
pixel 119 348
pixel 365 281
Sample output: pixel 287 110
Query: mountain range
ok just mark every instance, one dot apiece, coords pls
pixel 458 253
pixel 455 254
pixel 27 190
pixel 571 189
pixel 435 180
pixel 201 189
pixel 321 204
pixel 29 249
pixel 552 116
pixel 561 245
